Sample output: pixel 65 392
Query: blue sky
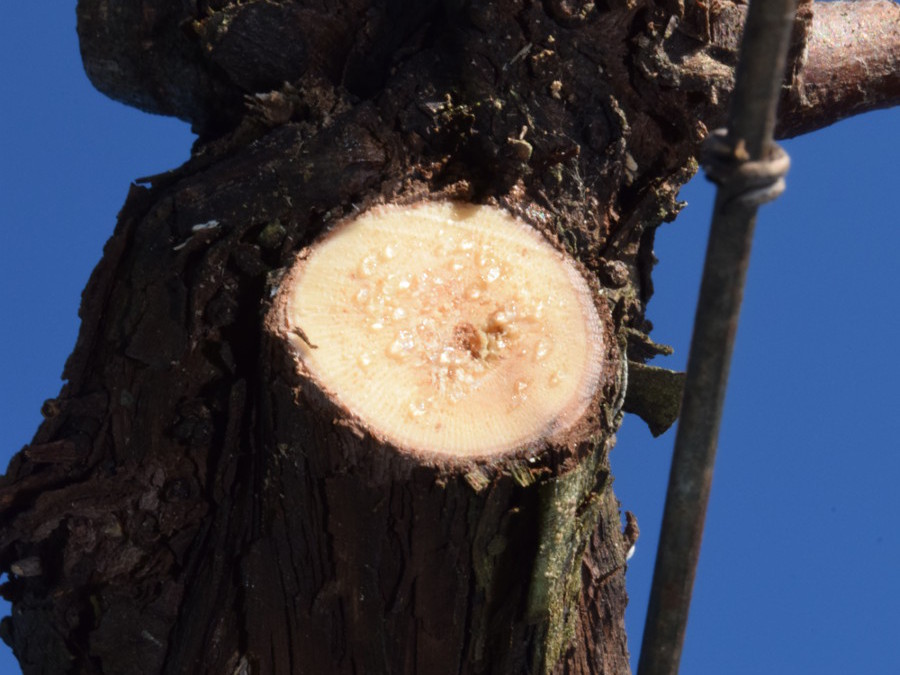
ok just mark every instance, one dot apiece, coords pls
pixel 801 555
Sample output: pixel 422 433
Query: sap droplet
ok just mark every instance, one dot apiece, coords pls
pixel 383 296
pixel 498 322
pixel 368 265
pixel 417 408
pixel 541 350
pixel 492 274
pixel 402 345
pixel 555 379
pixel 365 360
pixel 519 393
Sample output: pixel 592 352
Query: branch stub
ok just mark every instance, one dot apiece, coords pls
pixel 445 328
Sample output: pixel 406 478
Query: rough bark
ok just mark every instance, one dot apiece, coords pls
pixel 179 510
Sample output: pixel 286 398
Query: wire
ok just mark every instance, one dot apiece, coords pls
pixel 749 139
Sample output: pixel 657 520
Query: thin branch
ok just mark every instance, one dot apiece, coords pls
pixel 852 66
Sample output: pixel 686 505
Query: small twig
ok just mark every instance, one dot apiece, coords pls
pixel 751 125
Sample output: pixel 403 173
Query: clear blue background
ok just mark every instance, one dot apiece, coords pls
pixel 801 556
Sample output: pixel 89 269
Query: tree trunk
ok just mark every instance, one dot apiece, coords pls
pixel 187 508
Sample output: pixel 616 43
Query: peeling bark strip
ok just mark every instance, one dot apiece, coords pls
pixel 187 506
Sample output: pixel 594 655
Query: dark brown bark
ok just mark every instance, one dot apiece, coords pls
pixel 178 511
pixel 164 57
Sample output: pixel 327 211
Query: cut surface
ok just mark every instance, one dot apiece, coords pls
pixel 447 327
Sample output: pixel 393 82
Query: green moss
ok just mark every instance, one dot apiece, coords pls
pixel 569 508
pixel 521 475
pixel 477 479
pixel 272 235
